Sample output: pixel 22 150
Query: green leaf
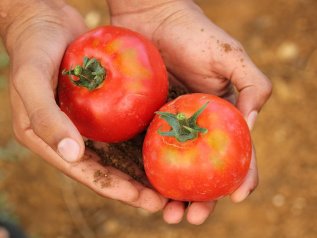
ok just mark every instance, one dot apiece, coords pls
pixel 183 128
pixel 91 74
pixel 192 120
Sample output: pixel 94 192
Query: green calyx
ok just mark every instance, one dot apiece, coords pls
pixel 91 74
pixel 183 128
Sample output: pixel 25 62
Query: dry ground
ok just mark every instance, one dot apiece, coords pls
pixel 281 37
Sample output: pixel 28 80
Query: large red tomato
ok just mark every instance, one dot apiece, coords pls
pixel 198 148
pixel 111 82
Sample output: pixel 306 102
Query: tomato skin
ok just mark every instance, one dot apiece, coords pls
pixel 203 169
pixel 135 85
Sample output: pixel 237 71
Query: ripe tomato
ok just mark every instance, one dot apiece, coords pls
pixel 198 148
pixel 111 82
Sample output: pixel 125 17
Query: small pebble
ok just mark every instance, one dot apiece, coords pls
pixel 278 200
pixel 298 205
pixel 111 226
pixel 282 89
pixel 287 51
pixel 92 19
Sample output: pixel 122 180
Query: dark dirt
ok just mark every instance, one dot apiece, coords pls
pixel 227 47
pixel 280 36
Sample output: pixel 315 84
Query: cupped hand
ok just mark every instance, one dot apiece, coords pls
pixel 205 59
pixel 36 40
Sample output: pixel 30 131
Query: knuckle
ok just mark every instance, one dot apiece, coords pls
pixel 17 77
pixel 266 88
pixel 41 119
pixel 236 47
pixel 34 68
pixel 21 73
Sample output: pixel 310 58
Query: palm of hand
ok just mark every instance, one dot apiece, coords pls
pixel 205 59
pixel 36 50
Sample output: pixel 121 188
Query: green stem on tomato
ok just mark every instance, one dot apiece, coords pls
pixel 183 128
pixel 91 74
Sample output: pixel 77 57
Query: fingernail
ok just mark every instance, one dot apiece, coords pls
pixel 68 149
pixel 251 119
pixel 242 197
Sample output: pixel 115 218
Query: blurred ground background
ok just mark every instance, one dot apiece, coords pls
pixel 281 37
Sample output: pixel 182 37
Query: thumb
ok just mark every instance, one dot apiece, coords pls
pixel 33 84
pixel 254 89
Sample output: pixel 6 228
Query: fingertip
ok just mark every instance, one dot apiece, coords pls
pixel 239 196
pixel 244 190
pixel 69 150
pixel 251 119
pixel 173 212
pixel 253 86
pixel 198 212
pixel 249 184
pixel 151 200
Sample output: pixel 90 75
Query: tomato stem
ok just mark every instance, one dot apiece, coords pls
pixel 183 128
pixel 91 74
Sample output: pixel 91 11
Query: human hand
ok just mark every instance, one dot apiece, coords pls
pixel 205 59
pixel 36 34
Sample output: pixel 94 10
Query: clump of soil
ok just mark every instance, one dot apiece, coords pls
pixel 127 156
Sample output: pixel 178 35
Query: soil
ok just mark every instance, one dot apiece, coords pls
pixel 280 36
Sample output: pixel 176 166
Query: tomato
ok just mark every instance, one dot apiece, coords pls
pixel 111 82
pixel 197 148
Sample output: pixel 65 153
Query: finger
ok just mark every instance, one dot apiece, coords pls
pixel 253 86
pixel 148 199
pixel 112 183
pixel 250 182
pixel 108 182
pixel 105 181
pixel 173 212
pixel 32 84
pixel 198 212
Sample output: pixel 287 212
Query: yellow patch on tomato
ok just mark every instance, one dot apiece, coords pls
pixel 218 141
pixel 217 161
pixel 113 46
pixel 126 59
pixel 131 66
pixel 135 86
pixel 178 157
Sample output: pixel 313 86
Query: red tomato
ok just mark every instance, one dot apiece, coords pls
pixel 202 154
pixel 111 82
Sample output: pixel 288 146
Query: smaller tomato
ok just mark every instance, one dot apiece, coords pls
pixel 111 82
pixel 197 148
